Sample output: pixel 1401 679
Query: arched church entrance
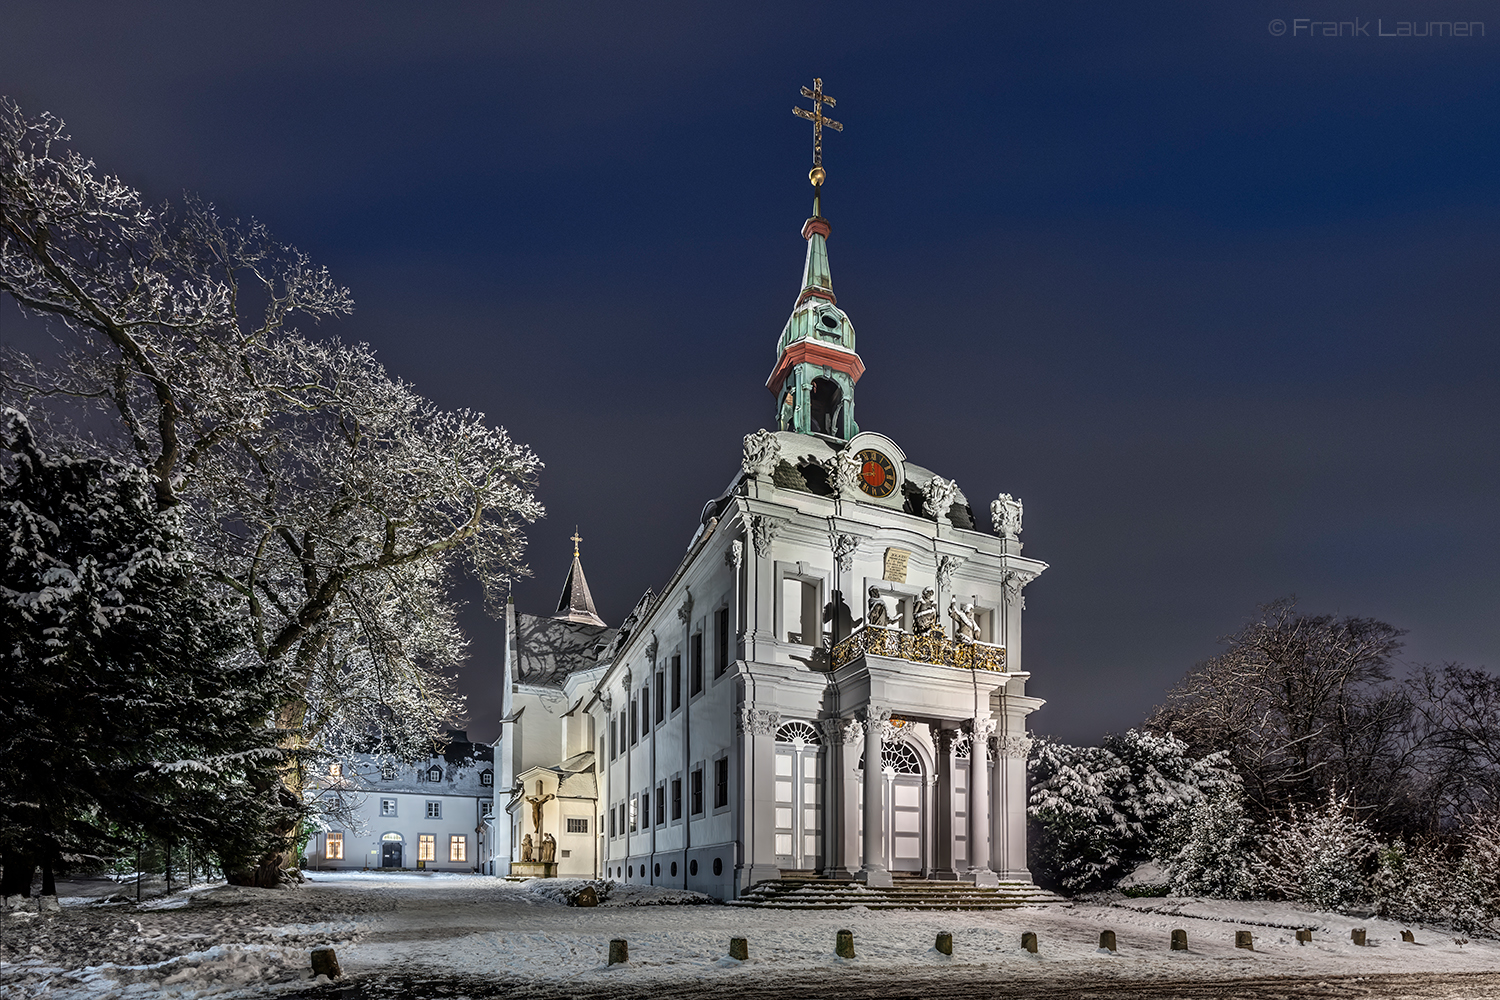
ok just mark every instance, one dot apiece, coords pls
pixel 905 846
pixel 826 407
pixel 390 850
pixel 799 797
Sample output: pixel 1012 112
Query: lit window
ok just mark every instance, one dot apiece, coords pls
pixel 335 770
pixel 458 848
pixel 580 825
pixel 426 847
pixel 387 807
pixel 434 810
pixel 335 850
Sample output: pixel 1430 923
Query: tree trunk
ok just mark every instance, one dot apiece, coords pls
pixel 266 873
pixel 19 870
pixel 49 886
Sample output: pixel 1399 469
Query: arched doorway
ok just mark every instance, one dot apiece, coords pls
pixel 799 797
pixel 904 822
pixel 390 850
pixel 826 407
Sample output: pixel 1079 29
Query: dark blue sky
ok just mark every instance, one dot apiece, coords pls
pixel 1219 305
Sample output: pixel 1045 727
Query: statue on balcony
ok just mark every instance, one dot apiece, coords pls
pixel 880 613
pixel 924 618
pixel 965 629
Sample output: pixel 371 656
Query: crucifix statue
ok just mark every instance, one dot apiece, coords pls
pixel 537 801
pixel 818 119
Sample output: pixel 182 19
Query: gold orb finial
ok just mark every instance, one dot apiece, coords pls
pixel 816 175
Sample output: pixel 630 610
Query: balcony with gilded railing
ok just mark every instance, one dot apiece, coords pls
pixel 935 648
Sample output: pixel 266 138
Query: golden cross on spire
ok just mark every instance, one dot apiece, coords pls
pixel 818 119
pixel 576 540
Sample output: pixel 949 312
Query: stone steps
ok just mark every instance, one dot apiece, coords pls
pixel 905 894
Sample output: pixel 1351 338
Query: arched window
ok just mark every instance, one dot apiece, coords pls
pixel 899 757
pixel 826 411
pixel 791 732
pixel 434 773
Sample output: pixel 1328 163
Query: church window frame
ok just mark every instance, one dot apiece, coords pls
pixel 695 664
pixel 721 641
pixel 661 697
pixel 797 729
pixel 676 681
pixel 634 804
pixel 612 833
pixel 697 802
pixel 661 804
pixel 635 721
pixel 676 797
pixel 613 736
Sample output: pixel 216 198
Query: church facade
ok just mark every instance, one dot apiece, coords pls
pixel 831 683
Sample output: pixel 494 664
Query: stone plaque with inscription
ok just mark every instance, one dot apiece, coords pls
pixel 895 565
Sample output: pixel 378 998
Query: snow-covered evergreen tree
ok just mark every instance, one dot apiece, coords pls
pixel 130 704
pixel 1216 855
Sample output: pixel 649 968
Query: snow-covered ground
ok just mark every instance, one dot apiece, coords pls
pixel 221 940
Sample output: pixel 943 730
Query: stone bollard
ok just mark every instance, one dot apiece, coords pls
pixel 585 897
pixel 326 963
pixel 1304 935
pixel 1407 937
pixel 1179 940
pixel 1244 939
pixel 1028 941
pixel 619 952
pixel 1107 941
pixel 944 943
pixel 1358 936
pixel 739 949
pixel 844 946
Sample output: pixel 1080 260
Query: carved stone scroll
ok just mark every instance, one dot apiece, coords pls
pixel 763 531
pixel 844 547
pixel 758 721
pixel 762 451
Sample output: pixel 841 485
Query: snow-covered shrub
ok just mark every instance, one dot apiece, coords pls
pixel 1323 857
pixel 1217 854
pixel 1413 883
pixel 1098 811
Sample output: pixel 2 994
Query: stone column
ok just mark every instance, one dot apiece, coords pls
pixel 872 870
pixel 979 871
pixel 942 855
pixel 1008 855
pixel 757 729
pixel 840 847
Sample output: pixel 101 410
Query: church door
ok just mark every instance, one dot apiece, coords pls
pixel 390 854
pixel 799 797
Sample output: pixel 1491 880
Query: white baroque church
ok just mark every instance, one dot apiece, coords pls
pixel 831 684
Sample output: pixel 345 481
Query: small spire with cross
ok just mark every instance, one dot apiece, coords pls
pixel 576 540
pixel 819 120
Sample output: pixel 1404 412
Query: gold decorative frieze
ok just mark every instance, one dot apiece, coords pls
pixel 934 648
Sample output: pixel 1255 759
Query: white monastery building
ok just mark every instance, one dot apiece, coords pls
pixel 830 685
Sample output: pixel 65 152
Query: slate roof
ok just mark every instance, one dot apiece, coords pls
pixel 548 650
pixel 576 603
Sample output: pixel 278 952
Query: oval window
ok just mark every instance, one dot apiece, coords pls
pixel 718 866
pixel 630 871
pixel 692 867
pixel 830 321
pixel 674 868
pixel 658 870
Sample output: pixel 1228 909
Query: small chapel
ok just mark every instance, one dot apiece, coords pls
pixel 831 685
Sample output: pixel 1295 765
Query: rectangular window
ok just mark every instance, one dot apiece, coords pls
pixel 612 821
pixel 661 804
pixel 645 709
pixel 695 664
pixel 487 778
pixel 614 737
pixel 624 730
pixel 578 824
pixel 458 847
pixel 676 683
pixel 697 790
pixel 721 782
pixel 335 850
pixel 489 807
pixel 721 642
pixel 434 810
pixel 635 721
pixel 800 614
pixel 426 847
pixel 387 772
pixel 387 807
pixel 633 816
pixel 622 819
pixel 661 697
pixel 677 798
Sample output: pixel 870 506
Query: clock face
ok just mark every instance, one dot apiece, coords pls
pixel 877 476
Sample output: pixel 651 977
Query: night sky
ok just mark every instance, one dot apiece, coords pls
pixel 1219 305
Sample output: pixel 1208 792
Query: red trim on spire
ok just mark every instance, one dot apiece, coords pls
pixel 815 293
pixel 817 224
pixel 813 353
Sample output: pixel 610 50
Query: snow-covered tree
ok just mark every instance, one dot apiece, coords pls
pixel 334 498
pixel 1216 850
pixel 130 704
pixel 1096 811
